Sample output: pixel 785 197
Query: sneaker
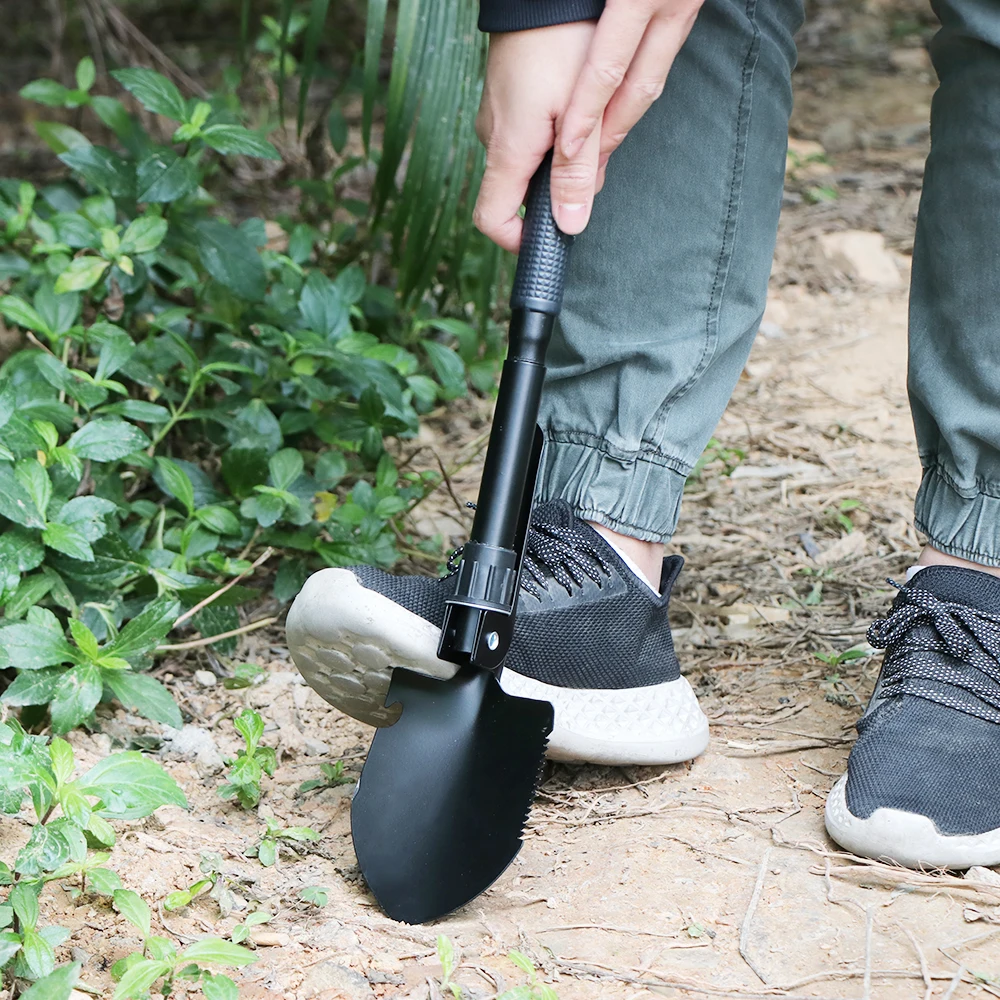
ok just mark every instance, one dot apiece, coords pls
pixel 923 779
pixel 591 638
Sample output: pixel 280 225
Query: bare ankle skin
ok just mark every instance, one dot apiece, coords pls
pixel 932 557
pixel 648 556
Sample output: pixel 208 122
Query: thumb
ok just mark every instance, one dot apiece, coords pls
pixel 574 182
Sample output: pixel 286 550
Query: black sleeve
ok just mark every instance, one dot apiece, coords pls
pixel 517 15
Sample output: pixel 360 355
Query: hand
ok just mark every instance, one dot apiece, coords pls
pixel 579 87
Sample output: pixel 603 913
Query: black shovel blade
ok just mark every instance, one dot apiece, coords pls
pixel 445 791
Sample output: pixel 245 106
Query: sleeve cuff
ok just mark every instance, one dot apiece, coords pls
pixel 520 15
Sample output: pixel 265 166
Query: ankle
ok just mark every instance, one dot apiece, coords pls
pixel 934 557
pixel 647 556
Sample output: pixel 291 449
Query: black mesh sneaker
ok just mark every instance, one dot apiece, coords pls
pixel 923 780
pixel 591 638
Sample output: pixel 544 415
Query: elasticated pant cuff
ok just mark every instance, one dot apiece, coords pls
pixel 961 522
pixel 639 496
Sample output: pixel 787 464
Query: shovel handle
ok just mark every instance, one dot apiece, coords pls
pixel 541 264
pixel 479 621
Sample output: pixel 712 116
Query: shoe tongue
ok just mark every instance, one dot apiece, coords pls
pixel 961 586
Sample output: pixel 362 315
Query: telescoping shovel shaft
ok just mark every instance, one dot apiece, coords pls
pixel 445 791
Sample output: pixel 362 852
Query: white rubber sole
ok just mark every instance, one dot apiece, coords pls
pixel 905 838
pixel 345 639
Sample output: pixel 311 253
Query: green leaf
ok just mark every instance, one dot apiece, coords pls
pixel 66 539
pixel 86 73
pixel 265 509
pixel 175 481
pixel 218 519
pixel 35 479
pixel 219 988
pixel 45 92
pixel 218 952
pixel 57 985
pixel 61 138
pixel 316 894
pixel 251 727
pixel 323 308
pixel 18 311
pixel 267 852
pixel 153 91
pixel 163 176
pixel 10 945
pixel 374 31
pixel 24 899
pixel 63 763
pixel 254 427
pixel 38 954
pixel 231 258
pixel 147 629
pixel 82 273
pixel 140 977
pixel 31 647
pixel 103 881
pixel 448 367
pixel 145 696
pixel 107 439
pixel 102 169
pixel 134 909
pixel 236 140
pixel 144 235
pixel 87 515
pixel 130 786
pixel 84 638
pixel 76 697
pixel 32 687
pixel 138 409
pixel 285 467
pixel 60 311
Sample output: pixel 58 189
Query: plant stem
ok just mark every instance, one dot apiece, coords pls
pixel 262 558
pixel 198 643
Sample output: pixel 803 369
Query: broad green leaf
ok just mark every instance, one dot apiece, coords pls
pixel 234 139
pixel 84 638
pixel 131 786
pixel 45 92
pixel 63 763
pixel 32 687
pixel 251 727
pixel 254 427
pixel 144 235
pixel 76 697
pixel 163 176
pixel 315 894
pixel 134 909
pixel 16 310
pixel 87 515
pixel 265 509
pixel 103 881
pixel 138 409
pixel 145 696
pixel 57 985
pixel 448 367
pixel 24 899
pixel 15 502
pixel 50 846
pixel 218 519
pixel 175 481
pixel 285 466
pixel 38 954
pixel 107 439
pixel 231 258
pixel 31 647
pixel 267 852
pixel 82 273
pixel 61 138
pixel 103 169
pixel 219 988
pixel 35 479
pixel 153 91
pixel 10 945
pixel 67 539
pixel 147 629
pixel 323 308
pixel 86 73
pixel 140 977
pixel 218 952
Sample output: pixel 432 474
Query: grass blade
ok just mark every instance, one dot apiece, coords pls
pixel 374 33
pixel 286 20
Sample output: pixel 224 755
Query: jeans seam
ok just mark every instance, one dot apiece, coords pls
pixel 728 232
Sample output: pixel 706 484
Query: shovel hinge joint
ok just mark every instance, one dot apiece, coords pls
pixel 487 578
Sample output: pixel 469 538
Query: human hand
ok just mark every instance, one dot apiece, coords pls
pixel 579 88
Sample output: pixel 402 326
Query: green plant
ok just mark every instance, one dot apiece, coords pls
pixel 185 399
pixel 226 888
pixel 716 453
pixel 275 837
pixel 70 835
pixel 846 656
pixel 316 894
pixel 841 515
pixel 331 775
pixel 160 961
pixel 449 962
pixel 242 931
pixel 251 763
pixel 532 989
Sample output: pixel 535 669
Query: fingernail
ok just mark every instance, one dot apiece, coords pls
pixel 571 147
pixel 573 208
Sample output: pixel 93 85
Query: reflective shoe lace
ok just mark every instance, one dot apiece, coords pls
pixel 569 555
pixel 917 662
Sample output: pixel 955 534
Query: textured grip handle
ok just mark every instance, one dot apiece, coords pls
pixel 541 265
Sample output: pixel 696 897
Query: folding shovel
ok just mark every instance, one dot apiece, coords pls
pixel 445 791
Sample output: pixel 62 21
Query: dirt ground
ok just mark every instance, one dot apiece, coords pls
pixel 710 879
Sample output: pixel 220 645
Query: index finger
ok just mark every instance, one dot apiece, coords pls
pixel 615 41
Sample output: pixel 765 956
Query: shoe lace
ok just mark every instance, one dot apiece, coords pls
pixel 970 637
pixel 570 555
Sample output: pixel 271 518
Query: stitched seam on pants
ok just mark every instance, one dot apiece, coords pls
pixel 982 486
pixel 652 456
pixel 728 231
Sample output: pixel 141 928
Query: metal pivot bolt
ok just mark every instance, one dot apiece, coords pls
pixel 492 640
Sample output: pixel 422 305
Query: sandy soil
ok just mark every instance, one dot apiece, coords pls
pixel 702 880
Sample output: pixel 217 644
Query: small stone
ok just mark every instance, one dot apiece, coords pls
pixel 193 742
pixel 270 939
pixel 328 977
pixel 315 748
pixel 911 60
pixel 977 873
pixel 862 256
pixel 205 678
